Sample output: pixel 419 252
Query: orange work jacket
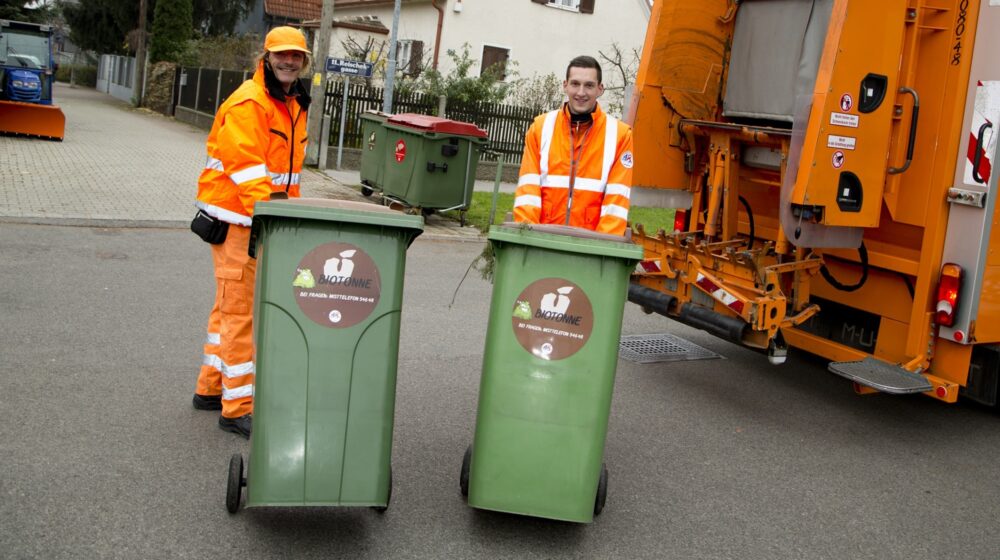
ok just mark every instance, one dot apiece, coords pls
pixel 590 190
pixel 256 146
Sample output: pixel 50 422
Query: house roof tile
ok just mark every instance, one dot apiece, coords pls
pixel 311 9
pixel 293 9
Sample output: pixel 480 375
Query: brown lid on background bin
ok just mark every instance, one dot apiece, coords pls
pixel 572 231
pixel 339 204
pixel 428 123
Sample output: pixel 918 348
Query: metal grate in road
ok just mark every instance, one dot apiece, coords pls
pixel 652 348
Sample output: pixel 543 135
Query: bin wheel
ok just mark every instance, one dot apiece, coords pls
pixel 461 218
pixel 602 490
pixel 367 191
pixel 235 483
pixel 426 212
pixel 463 479
pixel 388 499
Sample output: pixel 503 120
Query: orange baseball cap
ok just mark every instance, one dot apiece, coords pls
pixel 285 39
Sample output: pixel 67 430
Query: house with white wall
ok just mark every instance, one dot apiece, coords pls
pixel 541 36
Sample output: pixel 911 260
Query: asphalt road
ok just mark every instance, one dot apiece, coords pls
pixel 102 456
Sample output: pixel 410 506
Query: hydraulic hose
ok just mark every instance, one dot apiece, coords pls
pixel 863 254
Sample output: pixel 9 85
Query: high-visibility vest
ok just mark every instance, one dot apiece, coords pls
pixel 256 146
pixel 591 192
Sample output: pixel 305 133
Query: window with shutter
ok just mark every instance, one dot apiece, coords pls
pixel 409 56
pixel 495 55
pixel 402 52
pixel 582 6
pixel 567 4
pixel 416 58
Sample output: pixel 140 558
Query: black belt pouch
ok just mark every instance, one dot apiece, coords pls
pixel 209 228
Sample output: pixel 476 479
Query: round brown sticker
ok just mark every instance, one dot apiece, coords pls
pixel 552 318
pixel 337 285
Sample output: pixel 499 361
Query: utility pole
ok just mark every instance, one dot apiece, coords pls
pixel 140 55
pixel 318 91
pixel 390 73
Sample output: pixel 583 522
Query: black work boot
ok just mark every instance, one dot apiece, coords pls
pixel 207 402
pixel 239 425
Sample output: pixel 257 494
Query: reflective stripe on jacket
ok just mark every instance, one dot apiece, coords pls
pixel 256 146
pixel 592 193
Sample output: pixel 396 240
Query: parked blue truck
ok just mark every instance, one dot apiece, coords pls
pixel 27 74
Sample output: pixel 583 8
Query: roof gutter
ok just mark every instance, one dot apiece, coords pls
pixel 437 36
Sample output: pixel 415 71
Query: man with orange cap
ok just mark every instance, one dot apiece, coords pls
pixel 255 152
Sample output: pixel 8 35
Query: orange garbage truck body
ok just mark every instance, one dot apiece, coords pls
pixel 832 165
pixel 26 81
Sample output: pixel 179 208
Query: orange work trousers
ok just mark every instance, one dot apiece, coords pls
pixel 228 367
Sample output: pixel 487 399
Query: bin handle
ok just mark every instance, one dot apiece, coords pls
pixel 432 167
pixel 915 112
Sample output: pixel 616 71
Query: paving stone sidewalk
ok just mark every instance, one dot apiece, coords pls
pixel 124 167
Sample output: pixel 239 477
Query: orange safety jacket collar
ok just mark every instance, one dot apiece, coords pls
pixel 256 146
pixel 590 190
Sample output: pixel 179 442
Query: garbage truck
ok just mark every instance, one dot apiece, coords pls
pixel 831 162
pixel 26 77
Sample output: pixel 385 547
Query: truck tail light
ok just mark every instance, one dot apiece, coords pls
pixel 947 300
pixel 680 221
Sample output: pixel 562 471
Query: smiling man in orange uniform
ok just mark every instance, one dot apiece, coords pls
pixel 256 148
pixel 577 164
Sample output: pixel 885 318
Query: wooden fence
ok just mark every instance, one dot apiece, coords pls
pixel 204 89
pixel 506 124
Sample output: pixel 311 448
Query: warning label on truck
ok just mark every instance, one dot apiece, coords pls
pixel 552 318
pixel 843 119
pixel 337 285
pixel 841 142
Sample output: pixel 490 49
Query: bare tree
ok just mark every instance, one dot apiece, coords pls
pixel 374 51
pixel 369 51
pixel 619 75
pixel 540 93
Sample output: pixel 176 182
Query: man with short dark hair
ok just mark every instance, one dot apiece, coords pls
pixel 577 164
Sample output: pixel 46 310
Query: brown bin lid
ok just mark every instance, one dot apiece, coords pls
pixel 339 204
pixel 427 123
pixel 571 231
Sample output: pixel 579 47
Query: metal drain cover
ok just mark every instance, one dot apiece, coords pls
pixel 652 348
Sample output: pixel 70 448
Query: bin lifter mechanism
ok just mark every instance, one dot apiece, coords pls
pixel 783 170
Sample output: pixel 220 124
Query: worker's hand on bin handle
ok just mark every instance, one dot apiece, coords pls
pixel 252 245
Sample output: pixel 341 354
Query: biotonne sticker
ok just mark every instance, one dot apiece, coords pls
pixel 337 285
pixel 552 318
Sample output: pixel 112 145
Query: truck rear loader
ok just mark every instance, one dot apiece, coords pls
pixel 26 78
pixel 832 162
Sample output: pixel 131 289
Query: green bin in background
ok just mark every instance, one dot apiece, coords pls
pixel 548 371
pixel 430 162
pixel 326 331
pixel 372 150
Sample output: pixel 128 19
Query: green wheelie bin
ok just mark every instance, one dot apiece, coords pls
pixel 548 371
pixel 326 332
pixel 430 162
pixel 373 135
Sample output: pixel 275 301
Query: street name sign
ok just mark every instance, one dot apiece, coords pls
pixel 349 67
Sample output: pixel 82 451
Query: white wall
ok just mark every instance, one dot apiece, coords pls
pixel 541 39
